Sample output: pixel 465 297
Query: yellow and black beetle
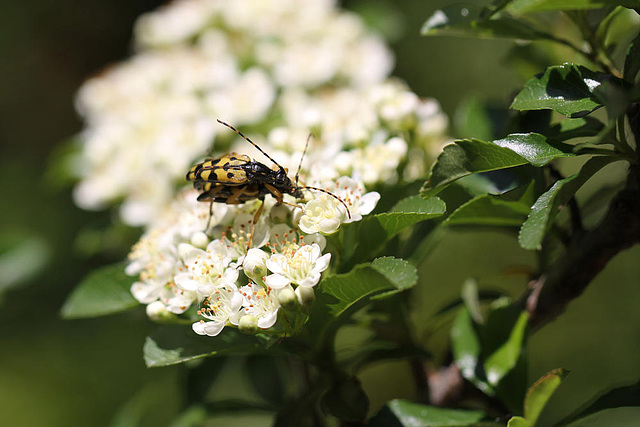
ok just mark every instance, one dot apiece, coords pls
pixel 236 178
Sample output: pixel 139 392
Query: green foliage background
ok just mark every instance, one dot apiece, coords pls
pixel 60 373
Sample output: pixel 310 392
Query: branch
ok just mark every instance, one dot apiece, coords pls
pixel 587 254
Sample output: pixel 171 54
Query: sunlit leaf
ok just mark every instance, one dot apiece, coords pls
pixel 519 7
pixel 468 156
pixel 402 413
pixel 469 20
pixel 535 148
pixel 569 89
pixel 518 422
pixel 408 212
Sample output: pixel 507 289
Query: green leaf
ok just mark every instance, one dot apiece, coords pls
pixel 540 392
pixel 104 291
pixel 632 60
pixel 505 210
pixel 408 212
pixel 569 89
pixel 193 416
pixel 468 156
pixel 618 417
pixel 617 31
pixel 171 345
pixel 452 20
pixel 546 208
pixel 398 272
pixel 466 347
pixel 615 398
pixel 132 413
pixel 535 148
pixel 489 353
pixel 520 7
pixel 403 413
pixel 575 128
pixel 469 20
pixel 364 239
pixel 503 338
pixel 494 182
pixel 338 293
pixel 23 256
pixel 518 422
pixel 471 299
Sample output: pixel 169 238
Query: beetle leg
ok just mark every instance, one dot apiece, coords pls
pixel 210 196
pixel 256 217
pixel 210 216
pixel 279 197
pixel 234 199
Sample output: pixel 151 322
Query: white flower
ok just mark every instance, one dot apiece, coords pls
pixel 176 299
pixel 150 116
pixel 206 270
pixel 378 161
pixel 236 238
pixel 260 303
pixel 254 264
pixel 283 238
pixel 147 291
pixel 298 265
pixel 324 214
pixel 352 193
pixel 154 258
pixel 224 302
pixel 173 23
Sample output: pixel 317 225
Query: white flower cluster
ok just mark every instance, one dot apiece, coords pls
pixel 149 117
pixel 246 62
pixel 180 266
pixel 288 68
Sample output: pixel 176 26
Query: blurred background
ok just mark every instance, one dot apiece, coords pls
pixel 55 372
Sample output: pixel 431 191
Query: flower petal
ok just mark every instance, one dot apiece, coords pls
pixel 276 281
pixel 210 329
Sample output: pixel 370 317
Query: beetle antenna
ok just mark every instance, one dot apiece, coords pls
pixel 249 141
pixel 332 195
pixel 302 158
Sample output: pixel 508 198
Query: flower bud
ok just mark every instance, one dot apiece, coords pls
pixel 248 324
pixel 306 295
pixel 254 264
pixel 199 240
pixel 288 298
pixel 158 312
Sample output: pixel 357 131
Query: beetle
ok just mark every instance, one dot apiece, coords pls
pixel 236 178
